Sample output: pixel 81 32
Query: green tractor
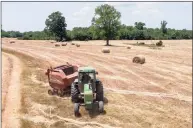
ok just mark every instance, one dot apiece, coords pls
pixel 86 90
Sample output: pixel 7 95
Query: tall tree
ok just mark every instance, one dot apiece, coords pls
pixel 106 20
pixel 139 25
pixel 163 27
pixel 55 23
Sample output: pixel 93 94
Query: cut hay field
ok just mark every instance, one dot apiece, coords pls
pixel 157 93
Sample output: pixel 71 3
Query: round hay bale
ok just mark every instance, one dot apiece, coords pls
pixel 11 42
pixel 52 42
pixel 160 43
pixel 141 43
pixel 72 43
pixel 64 44
pixel 128 47
pixel 77 45
pixel 57 45
pixel 139 59
pixel 106 50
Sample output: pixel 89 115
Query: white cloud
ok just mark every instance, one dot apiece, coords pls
pixel 83 11
pixel 119 4
pixel 147 9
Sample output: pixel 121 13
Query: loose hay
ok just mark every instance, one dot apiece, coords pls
pixel 57 45
pixel 106 50
pixel 12 42
pixel 77 45
pixel 139 59
pixel 64 44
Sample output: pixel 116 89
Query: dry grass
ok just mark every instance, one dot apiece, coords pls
pixel 30 89
pixel 122 110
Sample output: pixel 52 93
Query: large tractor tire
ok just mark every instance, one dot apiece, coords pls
pixel 74 93
pixel 76 109
pixel 99 92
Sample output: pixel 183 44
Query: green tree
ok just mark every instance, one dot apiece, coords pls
pixel 139 25
pixel 55 23
pixel 163 27
pixel 106 20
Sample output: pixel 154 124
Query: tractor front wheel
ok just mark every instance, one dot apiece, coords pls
pixel 101 106
pixel 76 109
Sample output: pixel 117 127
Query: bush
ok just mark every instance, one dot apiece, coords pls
pixel 20 38
pixel 26 38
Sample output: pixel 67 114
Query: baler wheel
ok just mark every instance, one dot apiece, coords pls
pixel 60 93
pixel 50 92
pixel 55 91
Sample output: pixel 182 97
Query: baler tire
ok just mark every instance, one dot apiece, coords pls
pixel 101 106
pixel 99 92
pixel 60 93
pixel 50 92
pixel 76 109
pixel 74 93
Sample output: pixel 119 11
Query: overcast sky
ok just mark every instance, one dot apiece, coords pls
pixel 31 16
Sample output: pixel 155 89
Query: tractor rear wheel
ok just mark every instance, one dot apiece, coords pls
pixel 74 93
pixel 99 92
pixel 101 106
pixel 76 109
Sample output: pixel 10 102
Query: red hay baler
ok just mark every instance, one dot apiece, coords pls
pixel 61 77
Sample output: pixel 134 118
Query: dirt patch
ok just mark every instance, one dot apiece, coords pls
pixel 12 103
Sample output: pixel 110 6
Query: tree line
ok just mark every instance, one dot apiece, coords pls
pixel 105 25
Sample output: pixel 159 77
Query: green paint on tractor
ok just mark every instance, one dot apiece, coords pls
pixel 88 96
